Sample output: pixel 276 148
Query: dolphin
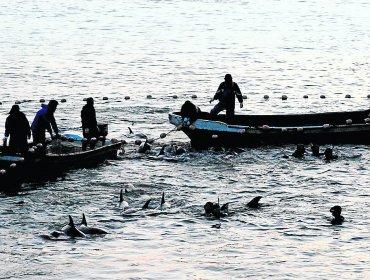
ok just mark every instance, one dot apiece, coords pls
pixel 138 135
pixel 143 147
pixel 71 230
pixel 146 205
pixel 164 205
pixel 89 230
pixel 122 202
pixel 254 203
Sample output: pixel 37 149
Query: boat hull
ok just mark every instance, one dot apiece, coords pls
pixel 41 167
pixel 251 131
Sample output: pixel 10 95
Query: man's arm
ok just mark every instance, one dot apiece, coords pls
pixel 238 94
pixel 54 124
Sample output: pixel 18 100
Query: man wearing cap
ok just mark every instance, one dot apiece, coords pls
pixel 88 118
pixel 44 120
pixel 226 93
pixel 18 128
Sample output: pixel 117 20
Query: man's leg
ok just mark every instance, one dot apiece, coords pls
pixel 217 109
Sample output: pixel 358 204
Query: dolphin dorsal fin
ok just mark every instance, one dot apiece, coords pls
pixel 129 128
pixel 84 222
pixel 146 205
pixel 121 196
pixel 71 223
pixel 218 201
pixel 162 200
pixel 162 150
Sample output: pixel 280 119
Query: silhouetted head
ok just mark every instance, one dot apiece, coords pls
pixel 90 101
pixel 254 203
pixel 329 154
pixel 315 149
pixel 52 106
pixel 14 110
pixel 336 210
pixel 208 208
pixel 299 151
pixel 228 80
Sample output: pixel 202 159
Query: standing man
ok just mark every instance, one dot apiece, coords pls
pixel 18 128
pixel 226 93
pixel 88 118
pixel 44 120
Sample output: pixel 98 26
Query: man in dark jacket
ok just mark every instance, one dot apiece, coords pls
pixel 88 118
pixel 18 128
pixel 226 93
pixel 44 120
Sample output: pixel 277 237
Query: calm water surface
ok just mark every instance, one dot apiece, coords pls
pixel 75 49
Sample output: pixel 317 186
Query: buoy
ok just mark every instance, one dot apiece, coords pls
pixel 349 122
pixel 265 127
pixel 300 129
pixel 305 96
pixel 63 100
pixel 368 96
pixel 242 131
pixel 127 97
pixel 64 138
pixel 284 97
pixel 85 99
pixel 194 96
pixel 1 103
pixel 13 165
pixel 137 142
pixel 39 146
pixel 105 98
pixel 179 127
pixel 31 150
pixel 192 127
pixel 71 139
pixel 244 97
pixel 149 96
pixel 17 102
pixel 367 120
pixel 114 140
pixel 322 96
pixel 2 171
pixel 174 96
pixel 163 135
pixel 42 100
pixel 284 129
pixel 348 96
pixel 266 97
pixel 214 136
pixel 326 126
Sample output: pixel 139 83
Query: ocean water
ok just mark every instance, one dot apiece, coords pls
pixel 104 48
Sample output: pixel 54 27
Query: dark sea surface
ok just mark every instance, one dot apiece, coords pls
pixel 103 48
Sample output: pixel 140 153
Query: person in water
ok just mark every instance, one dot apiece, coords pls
pixel 44 120
pixel 225 94
pixel 88 119
pixel 18 128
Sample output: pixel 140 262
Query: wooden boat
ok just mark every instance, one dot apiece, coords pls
pixel 254 130
pixel 59 157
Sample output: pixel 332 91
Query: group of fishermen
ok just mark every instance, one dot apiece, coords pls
pixel 18 129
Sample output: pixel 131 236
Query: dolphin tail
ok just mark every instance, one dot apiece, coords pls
pixel 162 200
pixel 121 196
pixel 146 205
pixel 84 222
